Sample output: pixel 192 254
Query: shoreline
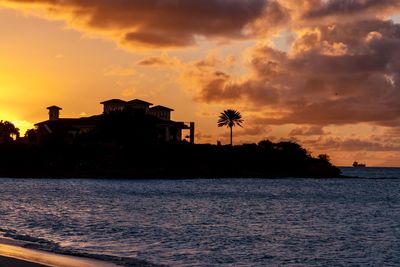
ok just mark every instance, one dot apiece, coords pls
pixel 8 261
pixel 176 161
pixel 13 253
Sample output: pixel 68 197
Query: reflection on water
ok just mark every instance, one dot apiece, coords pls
pixel 48 259
pixel 236 222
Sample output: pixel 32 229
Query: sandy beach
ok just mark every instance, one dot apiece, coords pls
pixel 12 254
pixel 12 262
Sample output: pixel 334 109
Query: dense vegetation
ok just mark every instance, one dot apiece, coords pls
pixel 264 160
pixel 120 159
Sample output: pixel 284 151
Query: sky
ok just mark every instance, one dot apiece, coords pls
pixel 323 73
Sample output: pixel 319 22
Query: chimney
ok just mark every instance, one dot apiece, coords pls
pixel 54 113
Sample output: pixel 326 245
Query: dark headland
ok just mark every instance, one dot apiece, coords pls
pixel 133 140
pixel 177 161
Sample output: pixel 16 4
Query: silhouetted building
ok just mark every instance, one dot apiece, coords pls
pixel 136 114
pixel 113 105
pixel 139 104
pixel 161 112
pixel 119 105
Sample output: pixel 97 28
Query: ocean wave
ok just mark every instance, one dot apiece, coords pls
pixel 49 246
pixel 195 223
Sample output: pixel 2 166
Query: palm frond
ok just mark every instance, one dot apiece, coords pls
pixel 230 118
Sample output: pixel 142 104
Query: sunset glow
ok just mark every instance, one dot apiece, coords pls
pixel 325 74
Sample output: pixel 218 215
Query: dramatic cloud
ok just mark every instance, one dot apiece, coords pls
pixel 351 144
pixel 346 73
pixel 177 23
pixel 253 131
pixel 308 63
pixel 154 61
pixel 307 131
pixel 160 23
pixel 353 7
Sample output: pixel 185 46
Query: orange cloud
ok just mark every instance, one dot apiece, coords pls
pixel 154 23
pixel 353 7
pixel 308 131
pixel 341 65
pixel 356 84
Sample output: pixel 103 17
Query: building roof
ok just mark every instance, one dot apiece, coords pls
pixel 73 121
pixel 76 123
pixel 113 101
pixel 161 108
pixel 138 101
pixel 54 107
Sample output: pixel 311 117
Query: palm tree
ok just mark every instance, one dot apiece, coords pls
pixel 230 118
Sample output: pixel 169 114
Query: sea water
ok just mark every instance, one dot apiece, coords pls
pixel 226 222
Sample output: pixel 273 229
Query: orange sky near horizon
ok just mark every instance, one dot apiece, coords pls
pixel 315 72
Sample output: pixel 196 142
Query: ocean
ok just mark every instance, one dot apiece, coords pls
pixel 217 222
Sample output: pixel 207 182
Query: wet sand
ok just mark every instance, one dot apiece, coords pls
pixel 12 254
pixel 12 262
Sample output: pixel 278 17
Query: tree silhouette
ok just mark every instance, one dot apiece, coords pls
pixel 31 135
pixel 8 132
pixel 230 118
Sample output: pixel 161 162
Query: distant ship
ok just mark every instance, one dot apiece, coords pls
pixel 359 165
